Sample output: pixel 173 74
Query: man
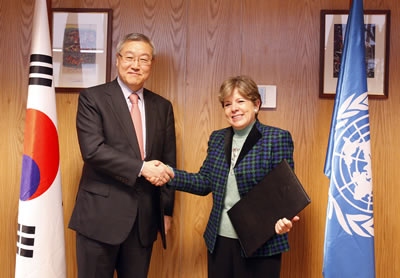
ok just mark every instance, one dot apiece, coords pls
pixel 117 211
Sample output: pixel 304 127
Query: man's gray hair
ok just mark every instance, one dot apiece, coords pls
pixel 137 37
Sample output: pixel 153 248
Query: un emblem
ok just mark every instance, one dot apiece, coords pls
pixel 351 168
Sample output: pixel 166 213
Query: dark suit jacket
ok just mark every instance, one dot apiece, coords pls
pixel 263 149
pixel 111 196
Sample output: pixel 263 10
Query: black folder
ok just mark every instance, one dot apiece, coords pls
pixel 279 194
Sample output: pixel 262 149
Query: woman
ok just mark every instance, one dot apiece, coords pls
pixel 238 158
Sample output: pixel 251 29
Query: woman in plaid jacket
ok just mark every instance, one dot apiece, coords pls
pixel 238 157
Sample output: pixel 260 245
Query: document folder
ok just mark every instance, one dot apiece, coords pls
pixel 278 195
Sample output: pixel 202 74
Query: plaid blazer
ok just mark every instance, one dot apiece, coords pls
pixel 263 149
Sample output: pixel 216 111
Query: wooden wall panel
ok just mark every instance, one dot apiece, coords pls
pixel 213 54
pixel 13 80
pixel 71 165
pixel 199 44
pixel 385 124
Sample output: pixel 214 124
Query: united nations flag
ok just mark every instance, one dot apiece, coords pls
pixel 349 231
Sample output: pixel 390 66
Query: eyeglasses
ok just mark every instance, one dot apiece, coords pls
pixel 141 60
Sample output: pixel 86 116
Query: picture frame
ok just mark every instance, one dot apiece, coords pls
pixel 81 43
pixel 377 24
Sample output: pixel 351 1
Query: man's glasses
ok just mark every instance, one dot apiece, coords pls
pixel 141 60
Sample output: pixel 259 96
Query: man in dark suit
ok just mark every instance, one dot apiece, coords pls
pixel 118 212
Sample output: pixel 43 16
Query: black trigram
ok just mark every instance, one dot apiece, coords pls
pixel 25 240
pixel 41 70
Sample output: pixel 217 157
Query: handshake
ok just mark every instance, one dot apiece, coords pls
pixel 157 172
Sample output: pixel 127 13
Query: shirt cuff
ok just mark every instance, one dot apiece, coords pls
pixel 141 169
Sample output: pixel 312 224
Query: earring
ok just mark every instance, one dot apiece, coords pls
pixel 255 110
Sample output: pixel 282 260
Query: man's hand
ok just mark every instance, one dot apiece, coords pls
pixel 156 172
pixel 283 225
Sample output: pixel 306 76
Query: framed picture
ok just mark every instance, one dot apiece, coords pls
pixel 81 48
pixel 377 32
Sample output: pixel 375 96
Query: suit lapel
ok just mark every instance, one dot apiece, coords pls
pixel 120 109
pixel 151 120
pixel 251 140
pixel 228 144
